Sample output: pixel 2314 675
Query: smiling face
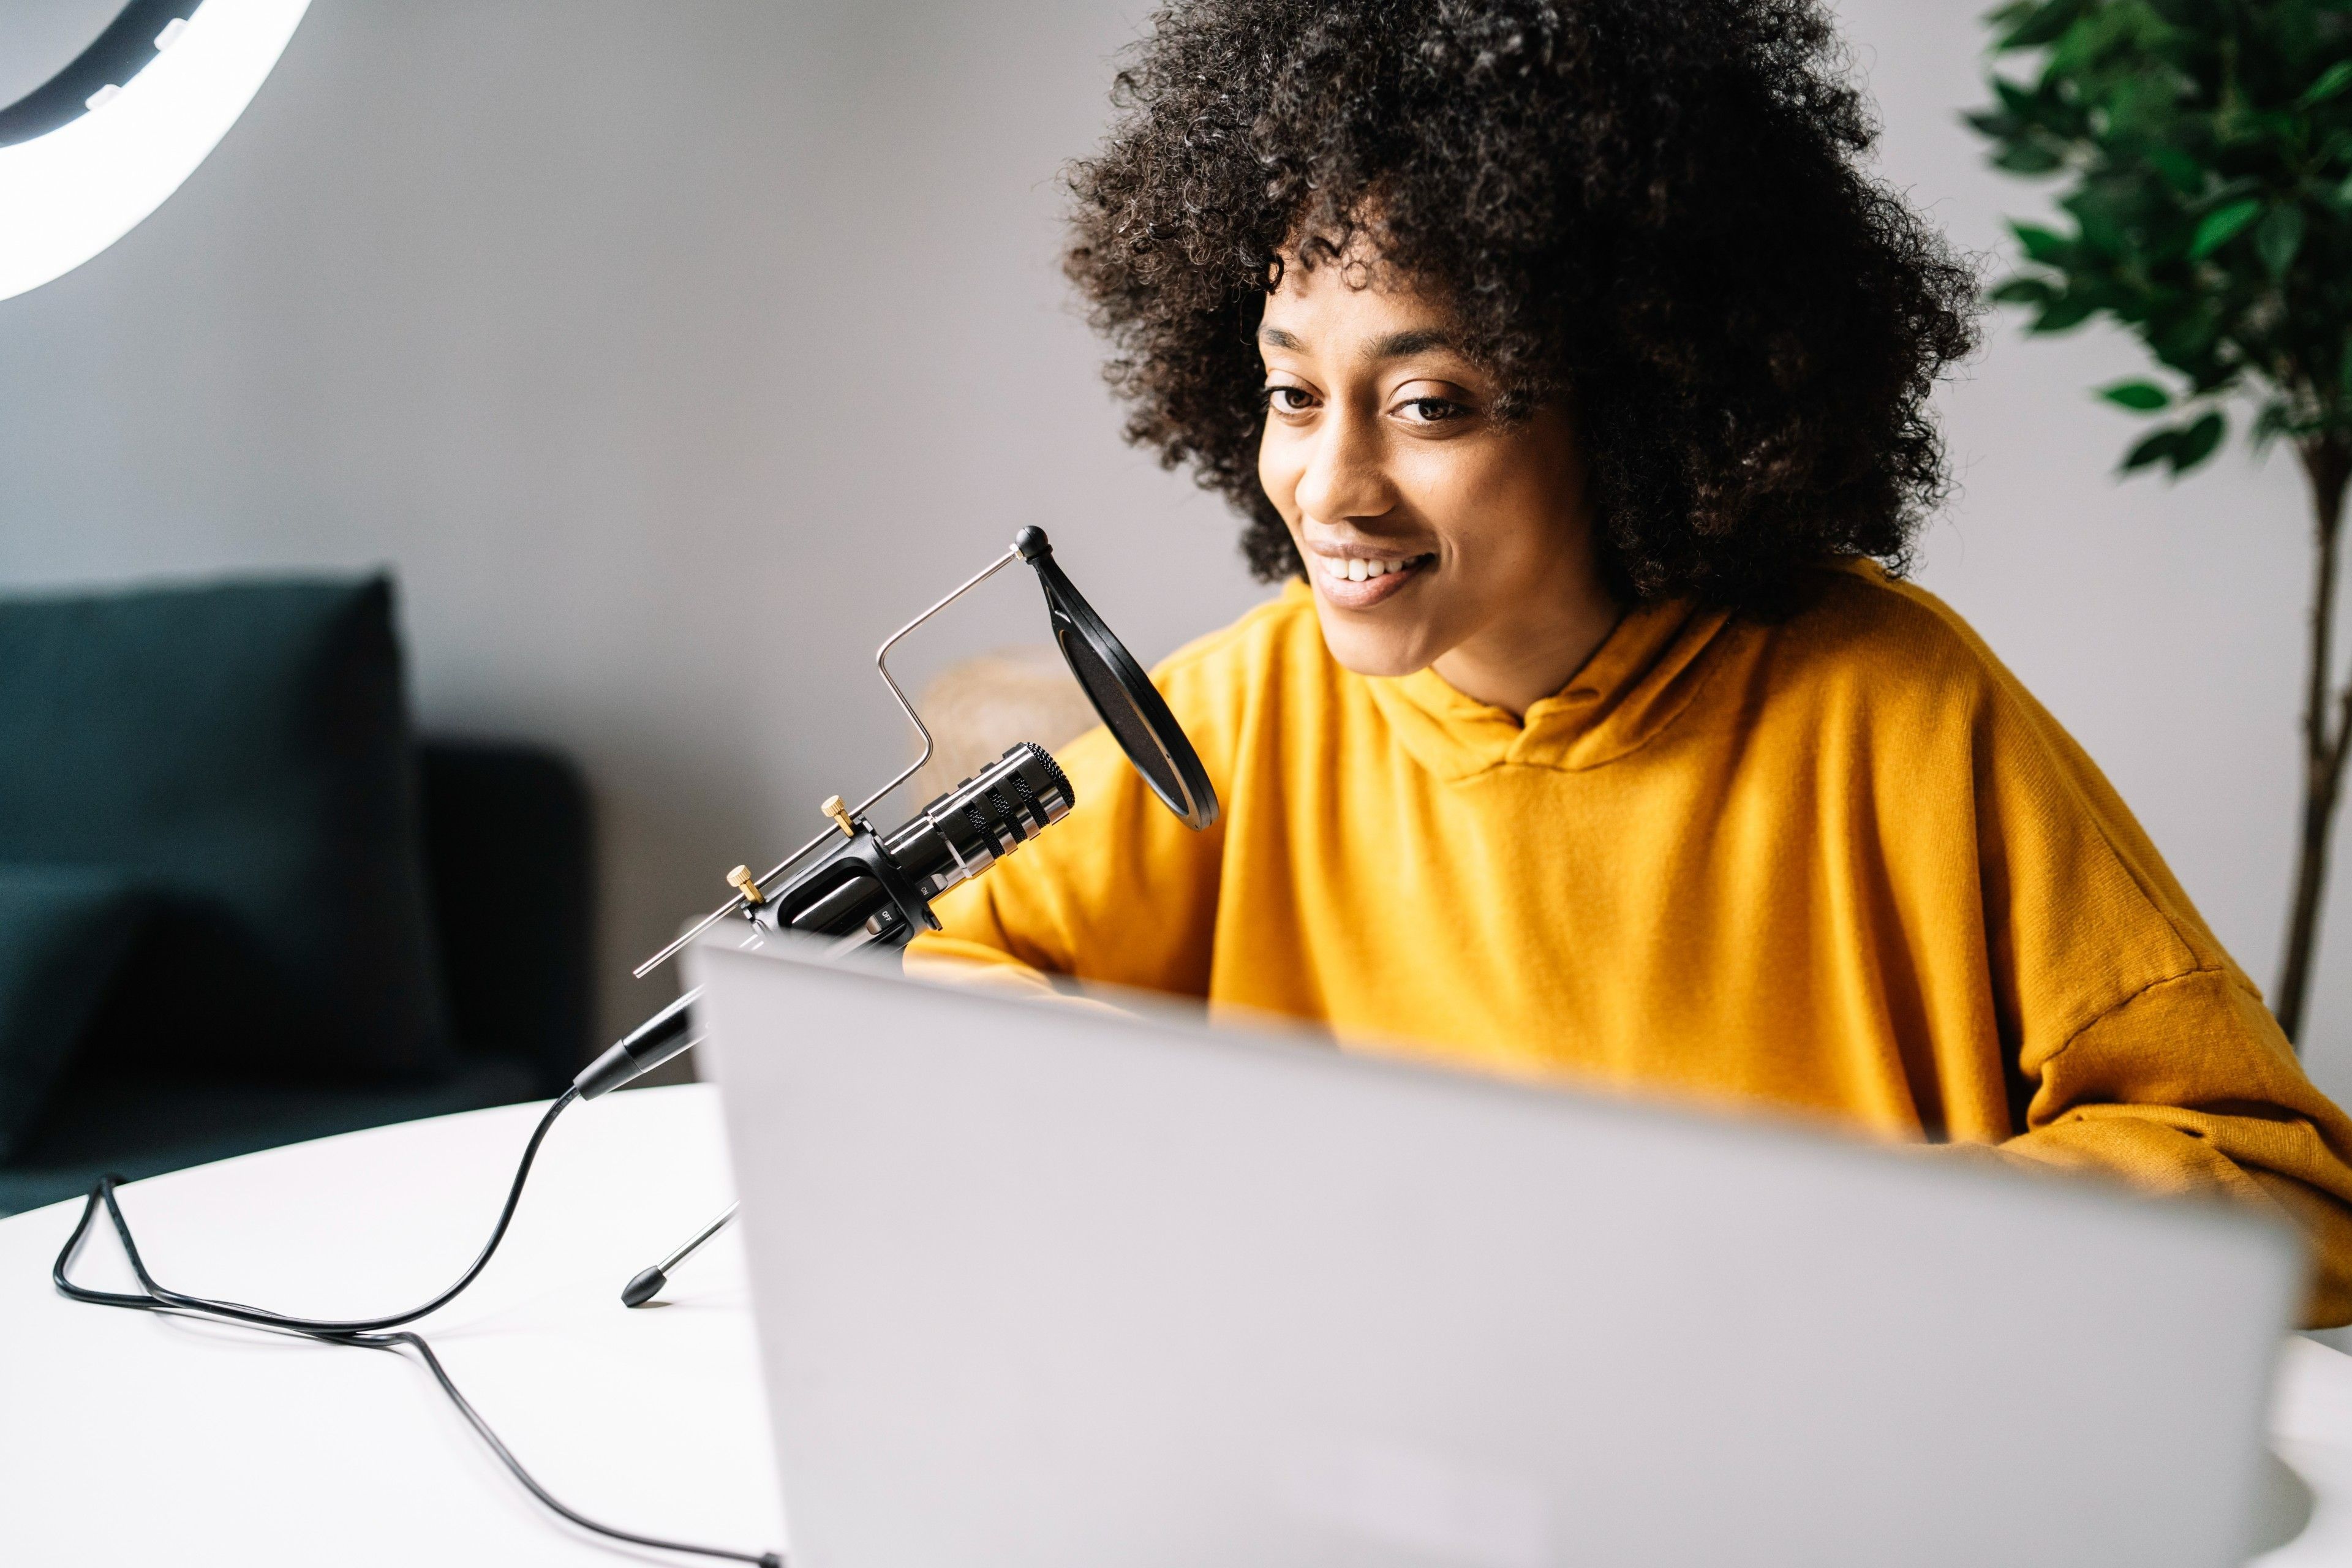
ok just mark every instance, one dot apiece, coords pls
pixel 1434 533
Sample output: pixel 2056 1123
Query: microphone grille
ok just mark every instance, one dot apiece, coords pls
pixel 1054 772
pixel 984 818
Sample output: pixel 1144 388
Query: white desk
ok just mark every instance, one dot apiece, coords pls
pixel 130 1438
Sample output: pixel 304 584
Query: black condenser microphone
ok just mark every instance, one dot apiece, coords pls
pixel 883 886
pixel 878 889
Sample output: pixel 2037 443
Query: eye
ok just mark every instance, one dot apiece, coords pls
pixel 1431 410
pixel 1285 398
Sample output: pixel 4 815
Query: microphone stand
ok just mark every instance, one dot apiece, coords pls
pixel 863 893
pixel 649 1282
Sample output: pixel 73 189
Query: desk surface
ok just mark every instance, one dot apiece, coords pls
pixel 133 1438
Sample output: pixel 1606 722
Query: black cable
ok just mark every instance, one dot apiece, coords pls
pixel 362 1333
pixel 236 1312
pixel 506 1458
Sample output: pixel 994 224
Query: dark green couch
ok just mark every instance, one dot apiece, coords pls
pixel 241 906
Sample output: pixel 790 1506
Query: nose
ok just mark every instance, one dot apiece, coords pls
pixel 1345 478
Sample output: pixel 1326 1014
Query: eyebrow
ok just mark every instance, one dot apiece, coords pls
pixel 1396 345
pixel 1404 344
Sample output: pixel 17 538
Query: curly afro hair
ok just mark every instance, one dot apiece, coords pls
pixel 1652 208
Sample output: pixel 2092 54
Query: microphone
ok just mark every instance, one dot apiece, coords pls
pixel 880 889
pixel 876 888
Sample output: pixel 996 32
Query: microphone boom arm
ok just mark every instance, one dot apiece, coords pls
pixel 740 902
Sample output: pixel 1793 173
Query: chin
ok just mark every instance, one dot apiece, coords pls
pixel 1372 651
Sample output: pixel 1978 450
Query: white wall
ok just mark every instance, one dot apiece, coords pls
pixel 673 353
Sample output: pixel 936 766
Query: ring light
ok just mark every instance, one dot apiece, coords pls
pixel 92 151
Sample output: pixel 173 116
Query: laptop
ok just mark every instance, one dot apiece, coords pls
pixel 1042 1286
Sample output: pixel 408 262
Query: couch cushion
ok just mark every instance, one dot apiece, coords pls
pixel 242 752
pixel 63 934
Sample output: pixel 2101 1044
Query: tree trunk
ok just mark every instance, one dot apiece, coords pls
pixel 2326 727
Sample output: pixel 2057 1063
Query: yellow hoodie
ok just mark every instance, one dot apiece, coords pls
pixel 1843 866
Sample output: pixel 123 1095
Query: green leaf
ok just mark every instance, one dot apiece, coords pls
pixel 2028 158
pixel 2001 17
pixel 2018 99
pixel 2104 227
pixel 2023 291
pixel 2151 449
pixel 2062 314
pixel 2230 190
pixel 2220 227
pixel 2335 79
pixel 2184 173
pixel 2270 125
pixel 2046 246
pixel 2031 27
pixel 2140 396
pixel 2280 237
pixel 2198 442
pixel 2186 341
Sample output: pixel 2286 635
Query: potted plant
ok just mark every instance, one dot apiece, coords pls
pixel 2204 154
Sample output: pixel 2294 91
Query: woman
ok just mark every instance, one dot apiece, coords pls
pixel 1575 379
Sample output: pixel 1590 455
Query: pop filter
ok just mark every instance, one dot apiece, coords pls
pixel 1130 706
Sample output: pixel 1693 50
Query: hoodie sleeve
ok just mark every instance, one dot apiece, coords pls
pixel 2187 1086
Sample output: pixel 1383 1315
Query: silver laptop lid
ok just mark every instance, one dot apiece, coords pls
pixel 1038 1285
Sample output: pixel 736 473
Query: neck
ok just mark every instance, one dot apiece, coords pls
pixel 1518 664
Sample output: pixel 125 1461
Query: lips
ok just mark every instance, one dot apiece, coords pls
pixel 1358 583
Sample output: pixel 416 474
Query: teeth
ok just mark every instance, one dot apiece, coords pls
pixel 1358 571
